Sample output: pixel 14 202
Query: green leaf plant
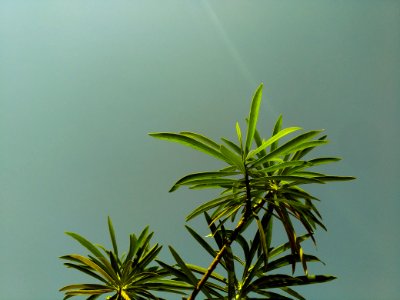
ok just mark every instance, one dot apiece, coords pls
pixel 128 277
pixel 261 184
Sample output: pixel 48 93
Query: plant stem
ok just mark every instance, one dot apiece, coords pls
pixel 218 258
pixel 243 221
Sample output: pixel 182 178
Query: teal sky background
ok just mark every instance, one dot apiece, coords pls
pixel 83 82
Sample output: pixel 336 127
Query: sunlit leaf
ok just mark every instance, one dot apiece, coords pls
pixel 188 141
pixel 232 158
pixel 288 146
pixel 271 140
pixel 253 117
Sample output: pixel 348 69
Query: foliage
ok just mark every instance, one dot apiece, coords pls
pixel 128 277
pixel 261 184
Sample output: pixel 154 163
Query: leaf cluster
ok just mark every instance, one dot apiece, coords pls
pixel 262 183
pixel 131 276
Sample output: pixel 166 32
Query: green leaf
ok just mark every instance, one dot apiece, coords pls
pixel 83 269
pixel 112 236
pixel 201 241
pixel 271 140
pixel 289 178
pixel 253 116
pixel 263 240
pixel 233 146
pixel 188 141
pixel 288 260
pixel 85 243
pixel 277 128
pixel 202 175
pixel 282 248
pixel 183 266
pixel 202 271
pixel 285 148
pixel 311 144
pixel 232 158
pixel 105 273
pixel 201 138
pixel 292 293
pixel 280 167
pixel 85 287
pixel 211 204
pixel 334 178
pixel 239 135
pixel 323 160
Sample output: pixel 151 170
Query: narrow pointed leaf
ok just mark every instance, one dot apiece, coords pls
pixel 292 293
pixel 271 140
pixel 201 241
pixel 203 175
pixel 295 142
pixel 201 138
pixel 253 116
pixel 277 128
pixel 85 243
pixel 233 146
pixel 323 160
pixel 210 204
pixel 109 276
pixel 239 135
pixel 112 236
pixel 232 158
pixel 183 266
pixel 188 141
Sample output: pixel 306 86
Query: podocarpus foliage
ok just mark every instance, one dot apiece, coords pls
pixel 262 184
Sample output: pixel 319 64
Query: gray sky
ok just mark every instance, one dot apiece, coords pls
pixel 83 82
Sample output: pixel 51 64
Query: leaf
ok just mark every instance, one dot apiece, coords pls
pixel 188 141
pixel 302 152
pixel 271 140
pixel 289 178
pixel 183 266
pixel 233 146
pixel 253 116
pixel 277 128
pixel 288 260
pixel 334 178
pixel 288 146
pixel 202 271
pixel 85 287
pixel 201 138
pixel 84 269
pixel 310 144
pixel 280 167
pixel 264 245
pixel 85 243
pixel 323 160
pixel 149 256
pixel 292 293
pixel 232 158
pixel 203 175
pixel 259 141
pixel 211 204
pixel 107 275
pixel 112 236
pixel 282 248
pixel 201 241
pixel 239 135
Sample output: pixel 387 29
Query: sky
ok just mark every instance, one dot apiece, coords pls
pixel 82 83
